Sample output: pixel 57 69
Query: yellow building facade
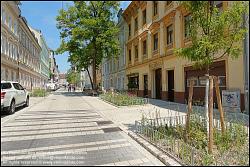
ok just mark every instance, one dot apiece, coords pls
pixel 156 28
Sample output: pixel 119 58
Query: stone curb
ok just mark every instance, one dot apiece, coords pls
pixel 13 116
pixel 153 150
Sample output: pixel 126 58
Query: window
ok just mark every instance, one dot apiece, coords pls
pixel 2 73
pixel 129 55
pixel 156 41
pixel 5 45
pixel 144 14
pixel 187 20
pixel 5 85
pixel 170 34
pixel 195 79
pixel 10 50
pixel 2 43
pixel 155 10
pixel 16 86
pixel 15 52
pixel 136 52
pixel 144 47
pixel 3 16
pixel 136 24
pixel 10 22
pixel 129 30
pixel 15 28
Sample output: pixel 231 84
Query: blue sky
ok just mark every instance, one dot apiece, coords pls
pixel 41 15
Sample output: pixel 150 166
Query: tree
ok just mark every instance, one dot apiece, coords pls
pixel 214 35
pixel 73 77
pixel 88 33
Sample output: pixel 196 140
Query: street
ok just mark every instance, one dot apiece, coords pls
pixel 64 129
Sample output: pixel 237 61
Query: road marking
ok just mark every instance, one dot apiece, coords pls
pixel 53 121
pixel 51 136
pixel 38 132
pixel 60 146
pixel 82 150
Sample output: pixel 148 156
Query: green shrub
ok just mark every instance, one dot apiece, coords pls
pixel 122 99
pixel 39 93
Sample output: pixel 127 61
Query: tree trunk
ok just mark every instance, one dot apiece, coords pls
pixel 206 103
pixel 210 139
pixel 189 108
pixel 219 105
pixel 90 78
pixel 94 74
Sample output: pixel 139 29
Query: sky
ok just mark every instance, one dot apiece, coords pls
pixel 42 15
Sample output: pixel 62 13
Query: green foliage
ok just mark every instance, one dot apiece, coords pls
pixel 207 159
pixel 39 93
pixel 214 34
pixel 231 148
pixel 73 77
pixel 88 32
pixel 122 99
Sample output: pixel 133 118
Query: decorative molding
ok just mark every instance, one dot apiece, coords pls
pixel 156 65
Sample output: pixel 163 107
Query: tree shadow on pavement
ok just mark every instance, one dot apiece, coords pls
pixel 131 127
pixel 168 105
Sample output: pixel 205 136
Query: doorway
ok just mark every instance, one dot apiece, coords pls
pixel 171 85
pixel 145 92
pixel 158 86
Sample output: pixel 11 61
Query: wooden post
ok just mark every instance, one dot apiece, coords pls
pixel 222 123
pixel 210 114
pixel 189 107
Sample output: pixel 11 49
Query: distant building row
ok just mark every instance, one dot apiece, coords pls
pixel 25 56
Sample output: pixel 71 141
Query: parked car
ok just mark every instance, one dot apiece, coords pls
pixel 13 95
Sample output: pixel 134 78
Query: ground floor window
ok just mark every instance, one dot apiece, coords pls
pixel 133 82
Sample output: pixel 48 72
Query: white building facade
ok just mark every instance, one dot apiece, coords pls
pixel 20 50
pixel 113 69
pixel 44 56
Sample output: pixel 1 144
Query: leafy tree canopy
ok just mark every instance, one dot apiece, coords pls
pixel 88 32
pixel 214 33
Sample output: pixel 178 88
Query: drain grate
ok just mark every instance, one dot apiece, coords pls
pixel 108 130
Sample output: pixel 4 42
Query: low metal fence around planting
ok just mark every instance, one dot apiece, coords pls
pixel 154 130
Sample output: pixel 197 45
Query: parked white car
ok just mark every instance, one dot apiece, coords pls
pixel 13 95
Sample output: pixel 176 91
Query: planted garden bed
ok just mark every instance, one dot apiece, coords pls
pixel 123 99
pixel 169 135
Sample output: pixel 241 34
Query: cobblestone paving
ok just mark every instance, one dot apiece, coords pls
pixel 63 130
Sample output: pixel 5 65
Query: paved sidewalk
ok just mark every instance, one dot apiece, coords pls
pixel 33 101
pixel 126 115
pixel 65 129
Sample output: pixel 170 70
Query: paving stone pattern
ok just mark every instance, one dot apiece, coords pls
pixel 66 131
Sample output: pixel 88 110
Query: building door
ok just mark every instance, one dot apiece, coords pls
pixel 145 93
pixel 171 85
pixel 158 83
